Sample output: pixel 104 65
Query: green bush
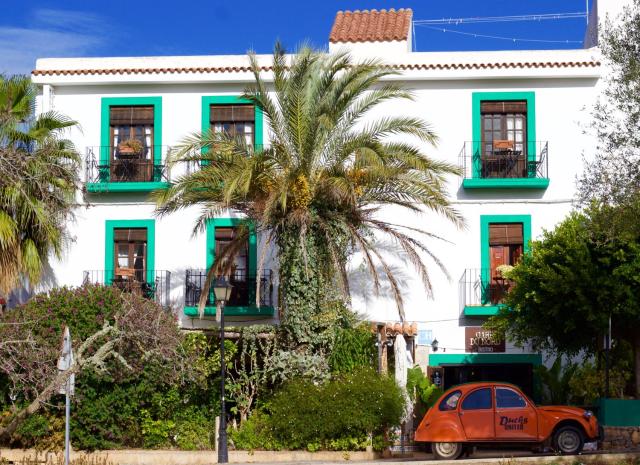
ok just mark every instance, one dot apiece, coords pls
pixel 422 392
pixel 588 383
pixel 353 349
pixel 255 433
pixel 337 415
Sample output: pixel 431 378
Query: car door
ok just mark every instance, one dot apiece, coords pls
pixel 476 414
pixel 515 418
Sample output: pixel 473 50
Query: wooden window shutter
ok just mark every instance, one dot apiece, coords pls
pixel 505 234
pixel 509 106
pixel 131 115
pixel 224 234
pixel 231 113
pixel 130 235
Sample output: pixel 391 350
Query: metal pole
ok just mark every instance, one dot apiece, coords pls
pixel 379 349
pixel 67 408
pixel 607 347
pixel 223 455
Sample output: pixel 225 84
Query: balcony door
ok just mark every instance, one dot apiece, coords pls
pixel 131 134
pixel 504 139
pixel 130 255
pixel 506 244
pixel 238 271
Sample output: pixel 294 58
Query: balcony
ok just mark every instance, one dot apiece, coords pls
pixel 504 165
pixel 151 284
pixel 108 169
pixel 481 295
pixel 243 294
pixel 195 164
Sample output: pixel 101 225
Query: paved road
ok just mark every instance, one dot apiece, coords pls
pixel 496 457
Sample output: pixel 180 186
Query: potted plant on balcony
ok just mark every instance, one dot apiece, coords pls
pixel 130 148
pixel 504 270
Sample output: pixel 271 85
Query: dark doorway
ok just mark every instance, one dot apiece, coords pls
pixel 520 374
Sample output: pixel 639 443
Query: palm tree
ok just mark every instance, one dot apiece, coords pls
pixel 318 190
pixel 38 181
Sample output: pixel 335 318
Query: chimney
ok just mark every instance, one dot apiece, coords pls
pixel 372 32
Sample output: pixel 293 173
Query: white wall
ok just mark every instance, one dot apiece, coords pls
pixel 562 103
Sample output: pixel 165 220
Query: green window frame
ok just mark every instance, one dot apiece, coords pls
pixel 209 100
pixel 231 311
pixel 110 226
pixel 107 185
pixel 214 223
pixel 497 183
pixel 485 255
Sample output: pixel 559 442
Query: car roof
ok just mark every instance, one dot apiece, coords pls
pixel 474 384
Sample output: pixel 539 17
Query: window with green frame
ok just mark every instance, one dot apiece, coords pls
pixel 230 113
pixel 242 276
pixel 503 240
pixel 129 250
pixel 504 148
pixel 130 151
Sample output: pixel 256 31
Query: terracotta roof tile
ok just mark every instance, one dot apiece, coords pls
pixel 371 25
pixel 241 69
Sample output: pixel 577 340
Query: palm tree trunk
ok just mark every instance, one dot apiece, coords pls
pixel 301 285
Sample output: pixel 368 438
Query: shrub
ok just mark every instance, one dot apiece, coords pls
pixel 422 392
pixel 339 414
pixel 588 383
pixel 256 433
pixel 353 349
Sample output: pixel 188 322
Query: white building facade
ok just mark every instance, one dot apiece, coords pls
pixel 513 120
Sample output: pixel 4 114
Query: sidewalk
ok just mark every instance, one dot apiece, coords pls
pixel 174 457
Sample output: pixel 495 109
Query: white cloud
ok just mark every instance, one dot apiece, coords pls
pixel 51 33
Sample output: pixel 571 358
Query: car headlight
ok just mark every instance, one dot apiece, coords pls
pixel 587 414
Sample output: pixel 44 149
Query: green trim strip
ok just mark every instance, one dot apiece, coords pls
pixel 265 312
pixel 105 141
pixel 457 359
pixel 505 183
pixel 208 100
pixel 481 310
pixel 102 187
pixel 110 225
pixel 476 125
pixel 485 220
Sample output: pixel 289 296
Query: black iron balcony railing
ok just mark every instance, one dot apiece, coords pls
pixel 195 165
pixel 110 164
pixel 504 159
pixel 151 284
pixel 478 286
pixel 243 292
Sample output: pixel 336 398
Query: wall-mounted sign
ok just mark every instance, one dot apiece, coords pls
pixel 478 339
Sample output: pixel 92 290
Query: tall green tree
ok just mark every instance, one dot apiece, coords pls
pixel 613 175
pixel 574 279
pixel 38 182
pixel 316 192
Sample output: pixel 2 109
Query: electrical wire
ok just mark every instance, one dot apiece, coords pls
pixel 503 19
pixel 512 39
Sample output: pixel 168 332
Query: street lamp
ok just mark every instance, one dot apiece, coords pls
pixel 222 291
pixel 434 345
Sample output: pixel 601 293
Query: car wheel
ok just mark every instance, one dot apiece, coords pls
pixel 568 440
pixel 446 450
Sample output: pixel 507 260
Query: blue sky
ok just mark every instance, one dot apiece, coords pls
pixel 59 28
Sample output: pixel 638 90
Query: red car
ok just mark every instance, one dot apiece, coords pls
pixel 499 413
